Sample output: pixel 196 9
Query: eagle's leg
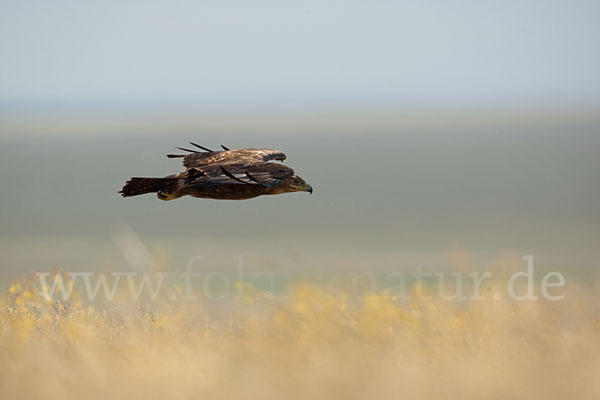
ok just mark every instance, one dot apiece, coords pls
pixel 166 195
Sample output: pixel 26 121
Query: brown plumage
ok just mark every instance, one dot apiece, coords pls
pixel 224 175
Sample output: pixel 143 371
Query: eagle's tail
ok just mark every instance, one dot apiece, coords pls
pixel 137 186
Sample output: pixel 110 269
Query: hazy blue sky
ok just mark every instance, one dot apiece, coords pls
pixel 231 52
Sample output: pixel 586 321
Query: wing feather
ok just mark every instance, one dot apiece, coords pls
pixel 226 157
pixel 263 174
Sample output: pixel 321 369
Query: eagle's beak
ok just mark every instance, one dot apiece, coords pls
pixel 309 189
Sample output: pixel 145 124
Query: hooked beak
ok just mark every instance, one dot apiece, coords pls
pixel 309 189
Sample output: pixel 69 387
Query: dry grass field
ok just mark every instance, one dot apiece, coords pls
pixel 309 343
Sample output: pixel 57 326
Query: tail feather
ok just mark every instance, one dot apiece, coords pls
pixel 137 186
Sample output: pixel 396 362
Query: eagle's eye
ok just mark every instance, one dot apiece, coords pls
pixel 297 182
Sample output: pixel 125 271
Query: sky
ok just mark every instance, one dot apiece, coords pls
pixel 78 54
pixel 92 93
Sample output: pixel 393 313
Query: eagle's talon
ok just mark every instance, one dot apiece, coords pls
pixel 165 196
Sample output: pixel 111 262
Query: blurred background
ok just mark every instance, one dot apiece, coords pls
pixel 447 134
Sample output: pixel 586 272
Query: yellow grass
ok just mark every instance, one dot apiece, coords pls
pixel 313 343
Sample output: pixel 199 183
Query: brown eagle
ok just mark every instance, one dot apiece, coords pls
pixel 224 175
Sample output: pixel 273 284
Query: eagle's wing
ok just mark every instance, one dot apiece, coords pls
pixel 201 159
pixel 197 158
pixel 262 174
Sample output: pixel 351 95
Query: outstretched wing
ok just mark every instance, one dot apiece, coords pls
pixel 261 174
pixel 206 157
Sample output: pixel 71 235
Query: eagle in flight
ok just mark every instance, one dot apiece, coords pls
pixel 223 175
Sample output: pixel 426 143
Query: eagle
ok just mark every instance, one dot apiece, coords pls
pixel 224 175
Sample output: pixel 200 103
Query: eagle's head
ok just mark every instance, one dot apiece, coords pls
pixel 292 184
pixel 297 184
